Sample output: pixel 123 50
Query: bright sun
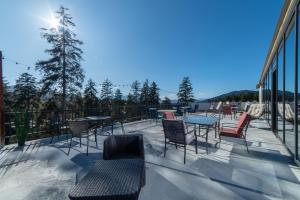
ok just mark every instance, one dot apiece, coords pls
pixel 53 22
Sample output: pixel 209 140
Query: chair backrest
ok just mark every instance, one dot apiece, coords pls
pixel 289 113
pixel 174 130
pixel 123 147
pixel 247 106
pixel 78 127
pixel 243 122
pixel 169 115
pixel 256 110
pixel 227 110
pixel 219 105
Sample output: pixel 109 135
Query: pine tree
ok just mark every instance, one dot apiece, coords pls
pixel 76 101
pixel 62 70
pixel 130 100
pixel 7 95
pixel 154 94
pixel 25 92
pixel 118 95
pixel 135 88
pixel 106 95
pixel 166 103
pixel 185 93
pixel 90 95
pixel 144 97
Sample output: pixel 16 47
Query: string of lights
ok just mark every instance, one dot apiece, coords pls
pixel 16 62
pixel 114 85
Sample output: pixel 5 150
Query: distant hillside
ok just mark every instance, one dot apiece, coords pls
pixel 241 95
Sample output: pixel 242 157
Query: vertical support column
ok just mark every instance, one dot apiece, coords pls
pixel 261 94
pixel 2 133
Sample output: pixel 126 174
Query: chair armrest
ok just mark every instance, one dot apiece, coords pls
pixel 231 125
pixel 228 123
pixel 189 132
pixel 228 126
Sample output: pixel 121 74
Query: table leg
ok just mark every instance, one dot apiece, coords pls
pixel 206 139
pixel 112 127
pixel 196 142
pixel 216 125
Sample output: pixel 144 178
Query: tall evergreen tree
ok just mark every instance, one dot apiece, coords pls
pixel 76 101
pixel 185 94
pixel 7 95
pixel 106 95
pixel 62 70
pixel 144 97
pixel 135 88
pixel 130 100
pixel 118 95
pixel 90 95
pixel 166 103
pixel 25 92
pixel 154 94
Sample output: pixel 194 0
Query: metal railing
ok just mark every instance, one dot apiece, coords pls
pixel 53 122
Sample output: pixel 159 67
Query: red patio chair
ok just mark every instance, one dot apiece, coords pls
pixel 169 115
pixel 236 131
pixel 227 110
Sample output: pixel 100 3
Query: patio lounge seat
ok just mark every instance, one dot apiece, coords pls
pixel 289 114
pixel 214 108
pixel 236 131
pixel 80 128
pixel 256 111
pixel 125 147
pixel 174 131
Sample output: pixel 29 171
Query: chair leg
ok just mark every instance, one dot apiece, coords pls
pixel 196 144
pixel 245 141
pixel 165 148
pixel 70 144
pixel 219 141
pixel 80 141
pixel 123 130
pixel 184 154
pixel 96 139
pixel 87 145
pixel 216 130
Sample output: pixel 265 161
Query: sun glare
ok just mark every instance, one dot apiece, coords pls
pixel 53 22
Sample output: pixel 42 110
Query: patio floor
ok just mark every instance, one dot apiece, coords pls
pixel 41 170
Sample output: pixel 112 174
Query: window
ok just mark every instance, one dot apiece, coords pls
pixel 290 88
pixel 280 114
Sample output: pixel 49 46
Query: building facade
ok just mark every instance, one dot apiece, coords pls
pixel 279 83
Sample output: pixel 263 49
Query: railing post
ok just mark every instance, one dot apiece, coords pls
pixel 2 133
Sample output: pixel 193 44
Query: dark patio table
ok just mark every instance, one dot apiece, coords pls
pixel 201 120
pixel 111 179
pixel 95 120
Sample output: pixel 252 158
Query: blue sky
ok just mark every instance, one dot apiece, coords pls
pixel 221 45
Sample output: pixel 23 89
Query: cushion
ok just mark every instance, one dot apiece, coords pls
pixel 229 132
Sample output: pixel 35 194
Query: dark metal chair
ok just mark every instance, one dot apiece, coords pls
pixel 80 128
pixel 174 131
